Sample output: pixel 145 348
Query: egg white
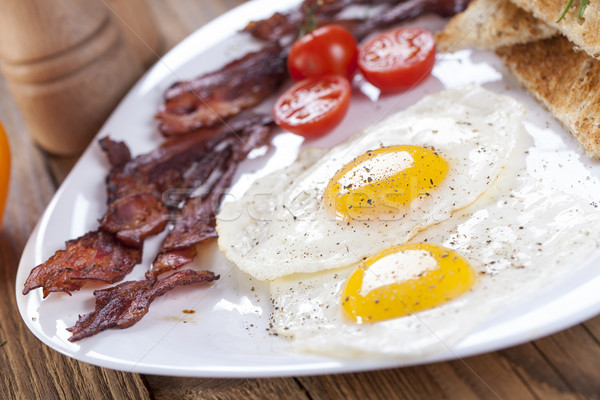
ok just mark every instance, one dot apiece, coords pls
pixel 280 226
pixel 522 236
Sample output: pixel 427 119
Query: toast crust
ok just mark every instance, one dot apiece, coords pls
pixel 565 81
pixel 583 32
pixel 488 24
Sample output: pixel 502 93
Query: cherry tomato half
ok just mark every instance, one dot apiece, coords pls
pixel 4 169
pixel 329 49
pixel 397 59
pixel 313 106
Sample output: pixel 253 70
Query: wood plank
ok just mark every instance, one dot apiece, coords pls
pixel 541 376
pixel 593 326
pixel 575 354
pixel 487 376
pixel 167 388
pixel 407 383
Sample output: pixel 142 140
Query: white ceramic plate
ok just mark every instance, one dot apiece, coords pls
pixel 227 334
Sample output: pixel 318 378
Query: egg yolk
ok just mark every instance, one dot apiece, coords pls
pixel 381 183
pixel 404 280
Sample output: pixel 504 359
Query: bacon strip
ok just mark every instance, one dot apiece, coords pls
pixel 170 260
pixel 196 224
pixel 124 305
pixel 407 10
pixel 118 153
pixel 135 217
pixel 97 255
pixel 135 187
pixel 160 169
pixel 210 98
pixel 285 25
pixel 136 209
pixel 197 219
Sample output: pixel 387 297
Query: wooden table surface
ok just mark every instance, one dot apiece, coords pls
pixel 565 365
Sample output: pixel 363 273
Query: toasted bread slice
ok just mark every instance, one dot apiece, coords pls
pixel 565 80
pixel 488 24
pixel 583 32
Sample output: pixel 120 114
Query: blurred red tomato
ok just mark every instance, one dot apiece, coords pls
pixel 4 169
pixel 397 59
pixel 329 49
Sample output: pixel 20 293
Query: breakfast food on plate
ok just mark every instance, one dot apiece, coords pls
pixel 402 240
pixel 210 98
pixel 196 222
pixel 136 206
pixel 565 80
pixel 520 239
pixel 283 27
pixel 447 150
pixel 581 30
pixel 489 24
pixel 202 150
pixel 125 304
pixel 68 270
pixel 562 74
pixel 314 106
pixel 398 59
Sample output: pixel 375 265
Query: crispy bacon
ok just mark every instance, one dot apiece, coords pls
pixel 210 98
pixel 135 188
pixel 136 210
pixel 276 27
pixel 196 224
pixel 197 219
pixel 180 162
pixel 117 152
pixel 285 25
pixel 408 10
pixel 135 217
pixel 97 255
pixel 125 304
pixel 170 260
pixel 160 169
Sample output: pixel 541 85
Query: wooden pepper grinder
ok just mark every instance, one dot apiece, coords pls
pixel 140 28
pixel 67 63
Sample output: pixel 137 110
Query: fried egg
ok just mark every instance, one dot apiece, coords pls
pixel 375 191
pixel 517 240
pixel 403 240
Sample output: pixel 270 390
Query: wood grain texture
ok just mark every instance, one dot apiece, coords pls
pixel 562 366
pixel 67 70
pixel 217 389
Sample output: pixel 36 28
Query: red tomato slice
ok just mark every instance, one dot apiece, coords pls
pixel 330 49
pixel 314 106
pixel 397 59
